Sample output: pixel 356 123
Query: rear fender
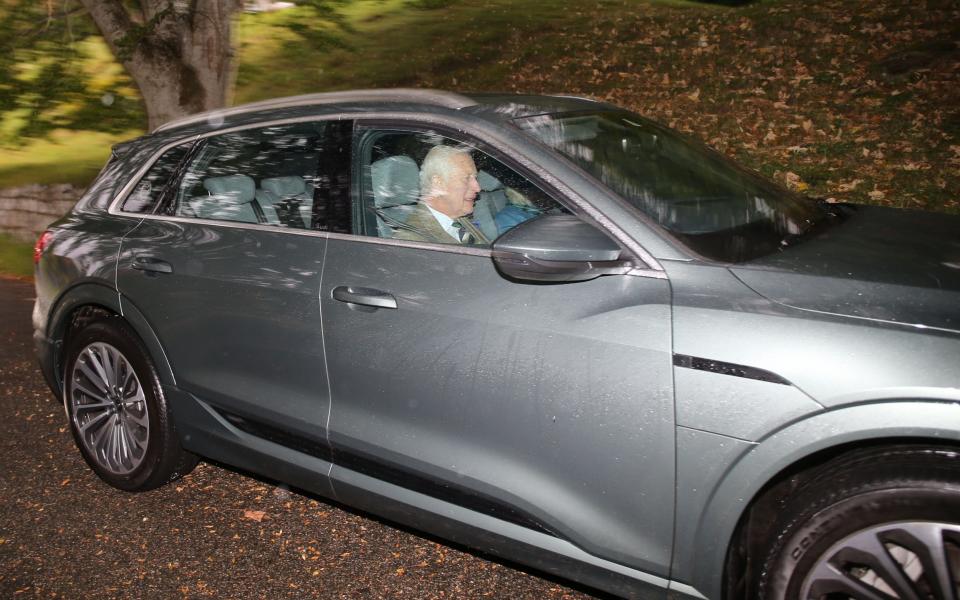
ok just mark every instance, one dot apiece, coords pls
pixel 50 344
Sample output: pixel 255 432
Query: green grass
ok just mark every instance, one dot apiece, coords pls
pixel 16 257
pixel 64 157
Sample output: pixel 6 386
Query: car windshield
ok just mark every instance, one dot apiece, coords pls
pixel 720 210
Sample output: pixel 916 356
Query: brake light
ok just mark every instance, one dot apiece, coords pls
pixel 42 242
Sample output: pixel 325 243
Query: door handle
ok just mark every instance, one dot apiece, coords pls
pixel 151 264
pixel 364 297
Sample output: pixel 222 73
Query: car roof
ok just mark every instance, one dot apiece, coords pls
pixel 490 106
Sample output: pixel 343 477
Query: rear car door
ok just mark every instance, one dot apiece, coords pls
pixel 547 407
pixel 227 272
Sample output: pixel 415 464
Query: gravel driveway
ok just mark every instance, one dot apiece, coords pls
pixel 216 533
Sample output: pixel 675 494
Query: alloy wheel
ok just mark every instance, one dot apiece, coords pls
pixel 915 560
pixel 109 408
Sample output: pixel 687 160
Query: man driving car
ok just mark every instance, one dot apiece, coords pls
pixel 448 189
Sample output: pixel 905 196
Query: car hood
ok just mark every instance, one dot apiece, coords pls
pixel 880 263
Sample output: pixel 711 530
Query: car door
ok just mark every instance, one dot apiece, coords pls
pixel 228 275
pixel 544 406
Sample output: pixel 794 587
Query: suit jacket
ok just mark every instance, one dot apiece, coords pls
pixel 424 227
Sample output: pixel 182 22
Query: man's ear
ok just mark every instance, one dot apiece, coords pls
pixel 436 184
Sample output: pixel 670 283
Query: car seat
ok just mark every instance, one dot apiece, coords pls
pixel 490 201
pixel 229 199
pixel 291 187
pixel 396 191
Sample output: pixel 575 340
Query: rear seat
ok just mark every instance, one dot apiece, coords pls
pixel 276 189
pixel 229 199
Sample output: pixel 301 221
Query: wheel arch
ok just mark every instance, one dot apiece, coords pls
pixel 753 486
pixel 79 305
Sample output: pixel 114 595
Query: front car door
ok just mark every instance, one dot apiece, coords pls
pixel 541 412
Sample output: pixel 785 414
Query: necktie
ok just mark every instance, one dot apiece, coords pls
pixel 462 233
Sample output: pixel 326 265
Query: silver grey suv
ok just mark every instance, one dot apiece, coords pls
pixel 584 342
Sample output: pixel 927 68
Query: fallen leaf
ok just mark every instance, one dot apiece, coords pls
pixel 254 515
pixel 849 186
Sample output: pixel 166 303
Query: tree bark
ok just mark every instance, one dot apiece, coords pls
pixel 178 52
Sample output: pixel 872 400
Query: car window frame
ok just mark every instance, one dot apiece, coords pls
pixel 646 264
pixel 457 124
pixel 455 135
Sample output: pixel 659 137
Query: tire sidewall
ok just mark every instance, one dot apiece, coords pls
pixel 808 537
pixel 118 335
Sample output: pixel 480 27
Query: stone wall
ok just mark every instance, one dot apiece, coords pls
pixel 26 211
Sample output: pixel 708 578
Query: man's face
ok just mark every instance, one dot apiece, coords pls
pixel 454 193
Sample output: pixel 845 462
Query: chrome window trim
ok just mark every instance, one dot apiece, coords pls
pixel 652 269
pixel 452 248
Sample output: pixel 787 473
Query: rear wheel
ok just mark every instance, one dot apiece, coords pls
pixel 878 525
pixel 117 411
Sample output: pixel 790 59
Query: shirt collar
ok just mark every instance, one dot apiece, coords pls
pixel 445 222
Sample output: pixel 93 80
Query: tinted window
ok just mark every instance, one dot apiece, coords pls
pixel 147 193
pixel 422 186
pixel 269 176
pixel 719 209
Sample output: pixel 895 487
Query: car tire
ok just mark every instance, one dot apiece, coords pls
pixel 876 524
pixel 117 411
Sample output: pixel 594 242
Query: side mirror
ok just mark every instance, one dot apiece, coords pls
pixel 557 248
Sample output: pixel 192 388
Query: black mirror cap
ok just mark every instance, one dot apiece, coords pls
pixel 557 248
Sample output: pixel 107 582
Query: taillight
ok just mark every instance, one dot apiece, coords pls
pixel 40 245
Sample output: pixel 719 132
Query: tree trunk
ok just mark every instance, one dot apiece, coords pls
pixel 179 53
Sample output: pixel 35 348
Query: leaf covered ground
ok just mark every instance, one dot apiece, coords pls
pixel 855 100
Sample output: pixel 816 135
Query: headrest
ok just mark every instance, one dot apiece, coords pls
pixel 488 182
pixel 291 185
pixel 396 181
pixel 232 188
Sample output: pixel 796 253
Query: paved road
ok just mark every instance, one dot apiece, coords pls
pixel 65 534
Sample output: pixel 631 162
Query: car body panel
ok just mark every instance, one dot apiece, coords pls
pixel 701 550
pixel 832 359
pixel 849 269
pixel 565 414
pixel 78 269
pixel 245 334
pixel 206 431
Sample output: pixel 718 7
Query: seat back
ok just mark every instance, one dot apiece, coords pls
pixel 490 201
pixel 265 199
pixel 396 190
pixel 229 199
pixel 290 186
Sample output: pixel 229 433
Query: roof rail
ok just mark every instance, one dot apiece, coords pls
pixel 426 96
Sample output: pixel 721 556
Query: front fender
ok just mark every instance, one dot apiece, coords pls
pixel 702 551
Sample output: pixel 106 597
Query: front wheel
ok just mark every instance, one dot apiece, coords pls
pixel 117 410
pixel 877 526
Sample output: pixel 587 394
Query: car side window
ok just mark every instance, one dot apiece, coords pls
pixel 268 176
pixel 148 191
pixel 422 186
